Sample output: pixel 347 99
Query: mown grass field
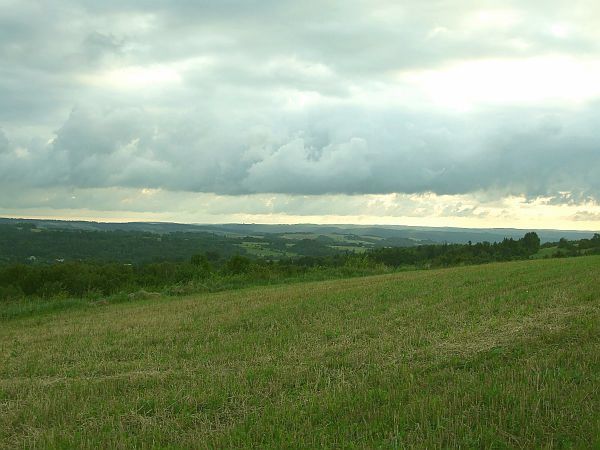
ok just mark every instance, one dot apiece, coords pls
pixel 495 356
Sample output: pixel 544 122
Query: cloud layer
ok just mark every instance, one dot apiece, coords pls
pixel 320 151
pixel 302 98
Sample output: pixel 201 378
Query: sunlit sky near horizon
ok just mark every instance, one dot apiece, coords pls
pixel 436 113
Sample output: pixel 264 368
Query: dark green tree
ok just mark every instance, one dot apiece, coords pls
pixel 201 262
pixel 531 242
pixel 237 265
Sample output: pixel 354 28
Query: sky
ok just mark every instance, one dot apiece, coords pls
pixel 440 113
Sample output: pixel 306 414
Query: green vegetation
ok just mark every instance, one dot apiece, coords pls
pixel 504 355
pixel 22 243
pixel 350 248
pixel 28 243
pixel 265 250
pixel 211 271
pixel 546 252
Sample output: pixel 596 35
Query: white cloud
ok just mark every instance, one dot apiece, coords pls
pixel 136 77
pixel 486 82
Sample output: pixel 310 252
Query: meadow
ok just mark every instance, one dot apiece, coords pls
pixel 502 355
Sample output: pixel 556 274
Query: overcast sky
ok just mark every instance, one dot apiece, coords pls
pixel 467 113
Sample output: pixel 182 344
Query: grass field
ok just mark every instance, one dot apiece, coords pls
pixel 263 250
pixel 545 252
pixel 495 356
pixel 349 248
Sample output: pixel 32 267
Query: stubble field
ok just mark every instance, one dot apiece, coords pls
pixel 496 356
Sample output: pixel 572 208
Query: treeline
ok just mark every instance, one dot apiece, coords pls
pixel 211 272
pixel 576 248
pixel 457 254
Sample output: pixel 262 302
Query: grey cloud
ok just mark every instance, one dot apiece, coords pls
pixel 363 38
pixel 226 128
pixel 98 43
pixel 46 48
pixel 333 151
pixel 570 198
pixel 243 73
pixel 3 142
pixel 292 168
pixel 357 38
pixel 586 216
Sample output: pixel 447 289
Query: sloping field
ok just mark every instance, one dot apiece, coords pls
pixel 495 356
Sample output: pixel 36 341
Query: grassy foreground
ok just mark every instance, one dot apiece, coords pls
pixel 495 356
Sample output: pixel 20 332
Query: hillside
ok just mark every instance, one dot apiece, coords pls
pixel 48 242
pixel 394 233
pixel 26 242
pixel 504 355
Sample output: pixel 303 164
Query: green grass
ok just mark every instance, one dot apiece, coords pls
pixel 341 239
pixel 263 250
pixel 545 252
pixel 350 248
pixel 494 356
pixel 299 236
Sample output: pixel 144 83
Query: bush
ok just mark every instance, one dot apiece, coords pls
pixel 237 265
pixel 11 292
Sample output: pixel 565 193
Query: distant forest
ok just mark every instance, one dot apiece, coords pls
pixel 55 263
pixel 28 243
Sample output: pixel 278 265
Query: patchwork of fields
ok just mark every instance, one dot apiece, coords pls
pixel 504 355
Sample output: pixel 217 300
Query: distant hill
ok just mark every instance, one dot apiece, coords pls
pixel 397 232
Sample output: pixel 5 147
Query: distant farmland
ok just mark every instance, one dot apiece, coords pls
pixel 505 355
